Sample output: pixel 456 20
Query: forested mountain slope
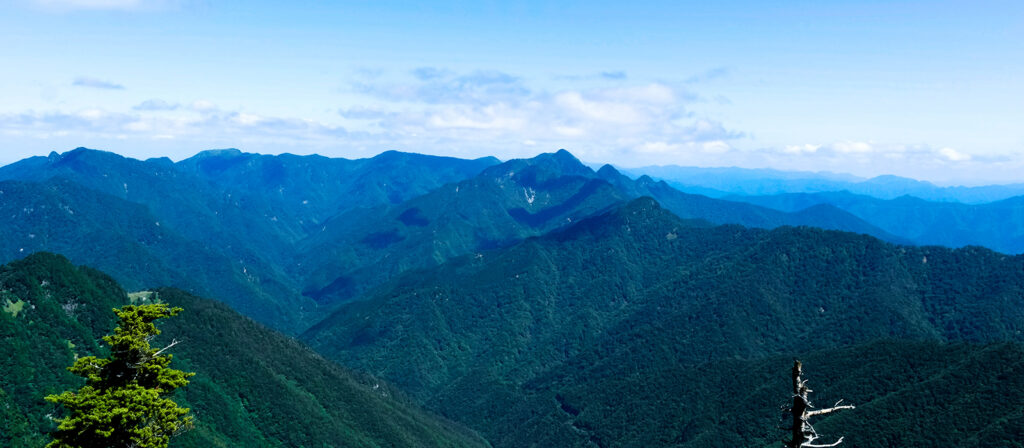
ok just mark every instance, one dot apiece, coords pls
pixel 637 297
pixel 226 223
pixel 137 248
pixel 253 386
pixel 499 207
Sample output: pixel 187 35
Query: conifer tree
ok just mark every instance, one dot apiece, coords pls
pixel 124 403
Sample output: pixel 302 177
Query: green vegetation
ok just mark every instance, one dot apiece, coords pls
pixel 285 239
pixel 610 333
pixel 13 308
pixel 124 402
pixel 253 386
pixel 222 224
pixel 531 300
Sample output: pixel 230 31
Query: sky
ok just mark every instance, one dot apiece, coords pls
pixel 932 90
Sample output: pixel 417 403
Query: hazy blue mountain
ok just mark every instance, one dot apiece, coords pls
pixel 695 206
pixel 638 300
pixel 996 225
pixel 721 182
pixel 253 386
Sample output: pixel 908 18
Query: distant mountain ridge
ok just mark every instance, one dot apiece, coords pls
pixel 722 182
pixel 997 225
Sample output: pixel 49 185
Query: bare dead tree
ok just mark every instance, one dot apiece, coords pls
pixel 803 434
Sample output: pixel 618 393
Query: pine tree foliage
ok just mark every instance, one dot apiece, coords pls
pixel 124 402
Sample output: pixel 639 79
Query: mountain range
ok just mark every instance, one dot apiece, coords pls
pixel 318 231
pixel 530 302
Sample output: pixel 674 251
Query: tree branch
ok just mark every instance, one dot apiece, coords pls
pixel 158 352
pixel 835 407
pixel 807 445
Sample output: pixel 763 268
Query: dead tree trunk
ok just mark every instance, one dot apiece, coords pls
pixel 803 434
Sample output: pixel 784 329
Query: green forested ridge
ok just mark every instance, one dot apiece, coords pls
pixel 235 217
pixel 254 387
pixel 500 206
pixel 631 296
pixel 306 190
pixel 137 247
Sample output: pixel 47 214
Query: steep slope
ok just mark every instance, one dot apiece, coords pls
pixel 254 387
pixel 996 225
pixel 632 294
pixel 502 205
pixel 139 249
pixel 241 216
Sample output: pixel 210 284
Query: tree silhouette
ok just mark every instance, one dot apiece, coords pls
pixel 124 402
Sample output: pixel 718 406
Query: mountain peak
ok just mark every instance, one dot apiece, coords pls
pixel 565 162
pixel 85 155
pixel 608 172
pixel 562 153
pixel 226 152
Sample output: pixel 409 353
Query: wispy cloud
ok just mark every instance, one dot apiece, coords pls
pixel 85 81
pixel 709 75
pixel 156 104
pixel 437 86
pixel 89 124
pixel 102 5
pixel 618 74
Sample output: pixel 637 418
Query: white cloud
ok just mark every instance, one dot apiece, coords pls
pixel 849 147
pixel 806 148
pixel 606 111
pixel 203 106
pixel 954 155
pixel 716 147
pixel 658 147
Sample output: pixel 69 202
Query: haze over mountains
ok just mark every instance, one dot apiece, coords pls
pixel 721 182
pixel 536 302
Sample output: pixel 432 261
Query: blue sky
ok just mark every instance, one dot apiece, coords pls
pixel 926 89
